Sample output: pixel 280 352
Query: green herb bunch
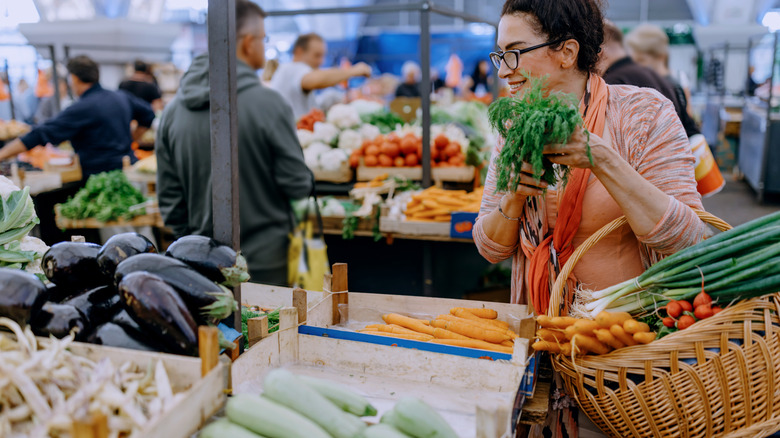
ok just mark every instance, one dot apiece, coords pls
pixel 106 196
pixel 528 123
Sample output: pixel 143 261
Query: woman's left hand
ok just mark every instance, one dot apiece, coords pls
pixel 575 152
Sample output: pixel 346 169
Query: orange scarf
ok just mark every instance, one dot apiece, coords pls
pixel 555 250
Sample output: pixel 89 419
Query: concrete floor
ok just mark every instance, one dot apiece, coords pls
pixel 737 204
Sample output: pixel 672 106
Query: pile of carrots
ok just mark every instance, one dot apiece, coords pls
pixel 308 120
pixel 463 327
pixel 378 181
pixel 436 205
pixel 392 150
pixel 609 331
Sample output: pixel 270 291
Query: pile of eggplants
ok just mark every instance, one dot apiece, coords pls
pixel 125 294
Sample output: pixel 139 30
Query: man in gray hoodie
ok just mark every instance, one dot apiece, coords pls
pixel 271 170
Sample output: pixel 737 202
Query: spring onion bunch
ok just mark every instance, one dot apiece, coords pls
pixel 528 123
pixel 738 264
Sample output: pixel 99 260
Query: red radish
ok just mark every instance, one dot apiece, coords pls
pixel 674 309
pixel 686 306
pixel 669 322
pixel 716 310
pixel 685 321
pixel 702 312
pixel 702 298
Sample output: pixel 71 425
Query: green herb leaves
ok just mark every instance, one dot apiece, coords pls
pixel 529 123
pixel 107 196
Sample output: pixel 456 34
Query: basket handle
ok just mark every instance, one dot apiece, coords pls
pixel 556 294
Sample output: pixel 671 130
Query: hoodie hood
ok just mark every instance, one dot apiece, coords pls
pixel 194 86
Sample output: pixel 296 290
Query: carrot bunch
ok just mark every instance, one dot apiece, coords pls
pixel 436 205
pixel 378 181
pixel 609 331
pixel 462 327
pixel 308 120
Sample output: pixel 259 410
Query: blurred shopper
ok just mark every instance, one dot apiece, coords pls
pixel 411 76
pixel 97 125
pixel 268 71
pixel 481 76
pixel 297 80
pixel 648 45
pixel 618 68
pixel 437 83
pixel 271 167
pixel 143 85
pixel 26 101
pixel 47 109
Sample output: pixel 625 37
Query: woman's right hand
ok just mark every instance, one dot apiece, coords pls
pixel 512 204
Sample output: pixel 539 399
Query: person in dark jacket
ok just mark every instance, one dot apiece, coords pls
pixel 97 124
pixel 143 85
pixel 271 167
pixel 411 74
pixel 618 68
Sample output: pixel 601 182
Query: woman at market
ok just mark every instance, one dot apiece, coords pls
pixel 642 165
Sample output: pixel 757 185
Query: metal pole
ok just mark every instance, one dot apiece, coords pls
pixel 373 9
pixel 224 126
pixel 10 91
pixel 66 49
pixel 425 91
pixel 495 88
pixel 55 77
pixel 725 70
pixel 768 133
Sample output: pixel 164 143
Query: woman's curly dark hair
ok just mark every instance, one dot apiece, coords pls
pixel 580 20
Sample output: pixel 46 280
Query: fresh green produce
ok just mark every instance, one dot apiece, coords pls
pixel 22 295
pixel 528 124
pixel 345 399
pixel 74 264
pixel 107 196
pixel 119 248
pixel 414 417
pixel 248 313
pixel 741 263
pixel 384 120
pixel 17 218
pixel 267 418
pixel 223 428
pixel 283 387
pixel 207 301
pixel 217 262
pixel 383 431
pixel 159 310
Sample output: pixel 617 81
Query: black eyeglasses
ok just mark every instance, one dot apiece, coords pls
pixel 512 57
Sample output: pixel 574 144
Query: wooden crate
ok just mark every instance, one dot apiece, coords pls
pixel 205 395
pixel 70 173
pixel 414 228
pixel 343 175
pixel 152 220
pixel 448 174
pixel 476 396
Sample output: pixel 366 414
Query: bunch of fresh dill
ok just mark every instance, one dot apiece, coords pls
pixel 528 123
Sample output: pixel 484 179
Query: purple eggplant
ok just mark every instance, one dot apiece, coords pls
pixel 73 265
pixel 159 310
pixel 58 320
pixel 114 335
pixel 98 305
pixel 21 295
pixel 217 262
pixel 121 247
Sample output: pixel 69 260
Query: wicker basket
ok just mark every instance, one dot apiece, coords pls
pixel 719 378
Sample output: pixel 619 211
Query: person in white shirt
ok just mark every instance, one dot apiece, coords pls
pixel 297 80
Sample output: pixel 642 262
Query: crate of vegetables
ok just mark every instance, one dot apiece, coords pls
pixel 399 154
pixel 473 396
pixel 57 387
pixel 687 348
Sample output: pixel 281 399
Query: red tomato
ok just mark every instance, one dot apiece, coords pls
pixel 452 149
pixel 385 161
pixel 408 146
pixel 411 160
pixel 371 160
pixel 390 149
pixel 354 160
pixel 399 162
pixel 441 141
pixel 372 150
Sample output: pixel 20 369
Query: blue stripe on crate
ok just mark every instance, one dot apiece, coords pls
pixel 405 343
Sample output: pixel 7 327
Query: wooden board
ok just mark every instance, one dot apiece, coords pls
pixel 474 395
pixel 414 228
pixel 342 175
pixel 41 182
pixel 449 174
pixel 147 220
pixel 204 395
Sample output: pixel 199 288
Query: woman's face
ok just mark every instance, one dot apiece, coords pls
pixel 516 32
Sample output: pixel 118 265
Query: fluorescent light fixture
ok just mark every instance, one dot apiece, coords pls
pixel 772 20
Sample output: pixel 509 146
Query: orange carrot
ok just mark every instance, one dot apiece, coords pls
pixel 569 332
pixel 552 347
pixel 473 343
pixel 644 337
pixel 510 344
pixel 562 322
pixel 483 323
pixel 410 323
pixel 621 335
pixel 440 333
pixel 608 319
pixel 633 326
pixel 483 312
pixel 605 336
pixel 472 331
pixel 551 335
pixel 465 314
pixel 544 321
pixel 584 344
pixel 413 337
pixel 585 327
